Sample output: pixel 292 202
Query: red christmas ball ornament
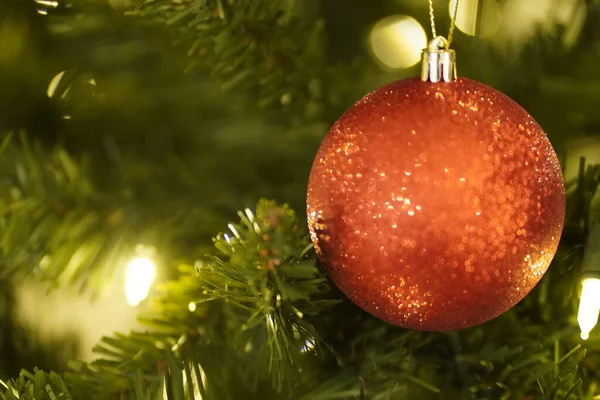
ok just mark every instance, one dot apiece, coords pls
pixel 436 206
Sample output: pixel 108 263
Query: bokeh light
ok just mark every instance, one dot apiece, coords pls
pixel 397 41
pixel 478 17
pixel 522 19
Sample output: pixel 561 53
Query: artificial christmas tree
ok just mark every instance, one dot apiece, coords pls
pixel 135 131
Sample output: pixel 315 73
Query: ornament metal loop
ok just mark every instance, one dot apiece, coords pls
pixel 438 61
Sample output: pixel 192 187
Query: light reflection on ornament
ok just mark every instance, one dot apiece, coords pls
pixel 54 84
pixel 45 5
pixel 54 7
pixel 75 94
pixel 58 79
pixel 397 41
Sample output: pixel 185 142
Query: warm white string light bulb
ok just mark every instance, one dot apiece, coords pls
pixel 589 306
pixel 589 303
pixel 138 279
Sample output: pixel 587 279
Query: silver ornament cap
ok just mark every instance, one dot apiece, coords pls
pixel 438 62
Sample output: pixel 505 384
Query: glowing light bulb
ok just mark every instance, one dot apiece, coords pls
pixel 397 41
pixel 138 279
pixel 589 306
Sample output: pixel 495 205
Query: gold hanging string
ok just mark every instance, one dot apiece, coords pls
pixel 432 19
pixel 453 12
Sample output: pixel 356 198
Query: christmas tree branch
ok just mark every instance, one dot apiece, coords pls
pixel 38 385
pixel 52 217
pixel 270 289
pixel 265 290
pixel 251 46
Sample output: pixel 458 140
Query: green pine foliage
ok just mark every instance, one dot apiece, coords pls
pixel 251 46
pixel 37 385
pixel 267 323
pixel 171 117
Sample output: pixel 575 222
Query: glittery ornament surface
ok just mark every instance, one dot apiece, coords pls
pixel 436 206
